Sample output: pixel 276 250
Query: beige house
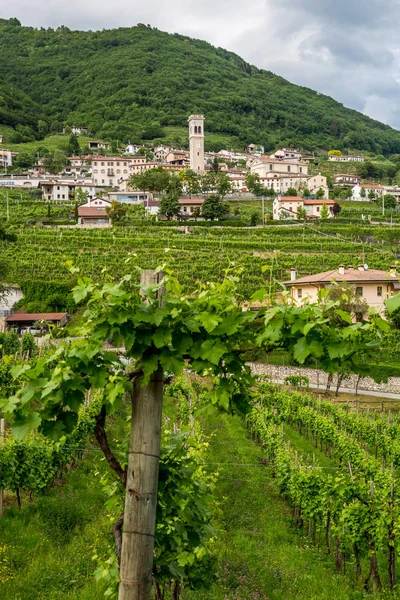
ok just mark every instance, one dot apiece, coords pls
pixel 263 166
pixel 286 207
pixel 372 285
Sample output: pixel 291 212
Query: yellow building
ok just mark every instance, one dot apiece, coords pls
pixel 372 285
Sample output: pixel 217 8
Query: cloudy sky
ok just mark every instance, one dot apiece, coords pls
pixel 348 49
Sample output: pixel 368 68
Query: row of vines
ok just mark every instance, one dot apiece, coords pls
pixel 353 505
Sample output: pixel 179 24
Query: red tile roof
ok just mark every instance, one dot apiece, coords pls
pixel 91 211
pixel 290 199
pixel 24 317
pixel 350 275
pixel 318 202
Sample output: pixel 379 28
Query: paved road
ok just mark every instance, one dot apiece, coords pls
pixel 350 391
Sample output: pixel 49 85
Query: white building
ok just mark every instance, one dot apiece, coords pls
pixel 263 166
pixel 64 189
pixel 108 171
pixel 342 158
pixel 286 207
pixel 132 149
pixel 364 192
pixel 5 158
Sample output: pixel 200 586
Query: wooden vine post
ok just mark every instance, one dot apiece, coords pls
pixel 142 483
pixel 2 433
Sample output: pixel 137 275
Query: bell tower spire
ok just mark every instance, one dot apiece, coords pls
pixel 196 142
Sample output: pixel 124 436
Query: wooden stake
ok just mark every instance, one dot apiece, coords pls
pixel 2 433
pixel 142 483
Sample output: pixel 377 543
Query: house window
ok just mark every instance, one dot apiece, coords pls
pixel 270 167
pixel 299 293
pixel 359 291
pixel 379 291
pixel 301 169
pixel 288 169
pixel 318 208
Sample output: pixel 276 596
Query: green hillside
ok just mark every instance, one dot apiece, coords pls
pixel 135 83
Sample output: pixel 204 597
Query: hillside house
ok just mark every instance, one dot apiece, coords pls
pixel 189 205
pixel 286 207
pixel 364 192
pixel 77 130
pixel 177 157
pixel 6 158
pixel 358 159
pixel 263 166
pixel 108 171
pixel 64 189
pixel 98 144
pixel 132 148
pixel 131 197
pixel 93 216
pixel 345 179
pixel 24 321
pixel 372 285
pixel 288 154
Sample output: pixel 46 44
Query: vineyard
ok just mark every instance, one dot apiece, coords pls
pixel 353 504
pixel 204 254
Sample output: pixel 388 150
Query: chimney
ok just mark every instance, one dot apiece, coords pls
pixel 341 269
pixel 293 274
pixel 350 267
pixel 361 267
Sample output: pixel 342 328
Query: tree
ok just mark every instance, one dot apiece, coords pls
pixel 169 205
pixel 390 201
pixel 73 148
pixel 151 180
pixel 215 168
pixel 324 214
pixel 320 194
pixel 216 183
pixel 196 212
pixel 212 208
pixel 363 193
pixel 371 195
pixel 255 219
pixel 336 208
pixel 55 162
pixel 254 185
pixel 25 160
pixel 335 153
pixel 306 193
pixel 117 212
pixel 301 213
pixel 190 181
pixel 81 196
pixel 291 192
pixel 43 129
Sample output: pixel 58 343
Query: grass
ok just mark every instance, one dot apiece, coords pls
pixel 261 556
pixel 46 548
pixel 51 143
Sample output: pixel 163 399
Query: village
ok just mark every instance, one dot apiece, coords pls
pixel 95 180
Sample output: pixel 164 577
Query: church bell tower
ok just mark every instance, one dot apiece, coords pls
pixel 196 142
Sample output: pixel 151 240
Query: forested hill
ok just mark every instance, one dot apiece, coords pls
pixel 131 83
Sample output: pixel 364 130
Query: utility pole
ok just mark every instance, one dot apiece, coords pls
pixel 142 481
pixel 263 214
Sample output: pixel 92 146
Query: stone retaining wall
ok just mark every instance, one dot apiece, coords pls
pixel 320 378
